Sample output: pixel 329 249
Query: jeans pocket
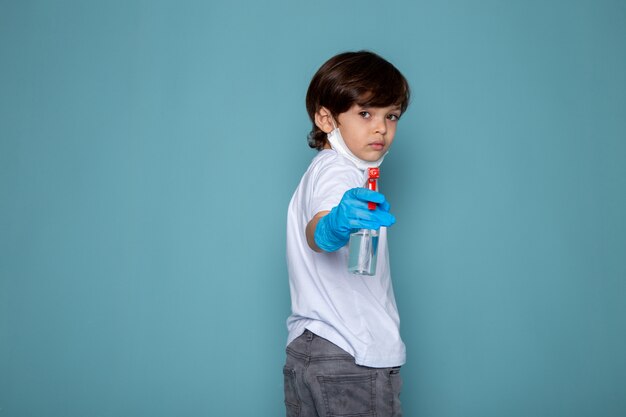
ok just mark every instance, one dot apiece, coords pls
pixel 396 380
pixel 292 400
pixel 349 395
pixel 395 383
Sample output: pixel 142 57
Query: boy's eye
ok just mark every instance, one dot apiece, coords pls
pixel 364 114
pixel 394 117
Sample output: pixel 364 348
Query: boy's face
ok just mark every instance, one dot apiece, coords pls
pixel 369 131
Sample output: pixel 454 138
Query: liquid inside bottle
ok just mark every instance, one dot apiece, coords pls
pixel 363 252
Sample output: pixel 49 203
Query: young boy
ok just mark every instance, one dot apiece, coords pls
pixel 344 348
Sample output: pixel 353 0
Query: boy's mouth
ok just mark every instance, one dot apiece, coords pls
pixel 378 146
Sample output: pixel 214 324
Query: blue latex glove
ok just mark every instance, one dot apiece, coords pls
pixel 333 230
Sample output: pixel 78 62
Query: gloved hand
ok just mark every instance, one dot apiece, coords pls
pixel 333 230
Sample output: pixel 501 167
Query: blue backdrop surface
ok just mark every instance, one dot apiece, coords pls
pixel 149 149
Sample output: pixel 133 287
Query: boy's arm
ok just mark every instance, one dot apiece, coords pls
pixel 329 231
pixel 310 230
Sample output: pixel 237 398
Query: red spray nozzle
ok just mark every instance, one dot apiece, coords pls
pixel 372 184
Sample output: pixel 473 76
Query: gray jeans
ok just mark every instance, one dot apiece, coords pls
pixel 322 380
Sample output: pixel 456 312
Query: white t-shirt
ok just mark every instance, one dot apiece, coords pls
pixel 355 312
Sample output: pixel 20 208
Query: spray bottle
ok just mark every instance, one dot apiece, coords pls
pixel 364 242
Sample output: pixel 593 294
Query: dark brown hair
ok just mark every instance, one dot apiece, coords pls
pixel 362 78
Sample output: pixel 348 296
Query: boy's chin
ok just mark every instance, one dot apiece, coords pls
pixel 372 156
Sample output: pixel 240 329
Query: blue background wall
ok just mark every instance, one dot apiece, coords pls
pixel 148 151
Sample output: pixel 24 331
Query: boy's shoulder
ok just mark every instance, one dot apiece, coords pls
pixel 330 157
pixel 328 165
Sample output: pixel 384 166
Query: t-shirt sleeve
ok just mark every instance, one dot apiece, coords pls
pixel 331 182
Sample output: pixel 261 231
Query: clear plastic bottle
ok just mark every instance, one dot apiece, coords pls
pixel 364 243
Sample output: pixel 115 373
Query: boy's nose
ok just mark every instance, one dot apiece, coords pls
pixel 381 126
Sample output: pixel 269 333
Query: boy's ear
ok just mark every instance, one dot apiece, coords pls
pixel 324 120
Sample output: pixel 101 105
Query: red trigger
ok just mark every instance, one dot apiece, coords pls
pixel 372 184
